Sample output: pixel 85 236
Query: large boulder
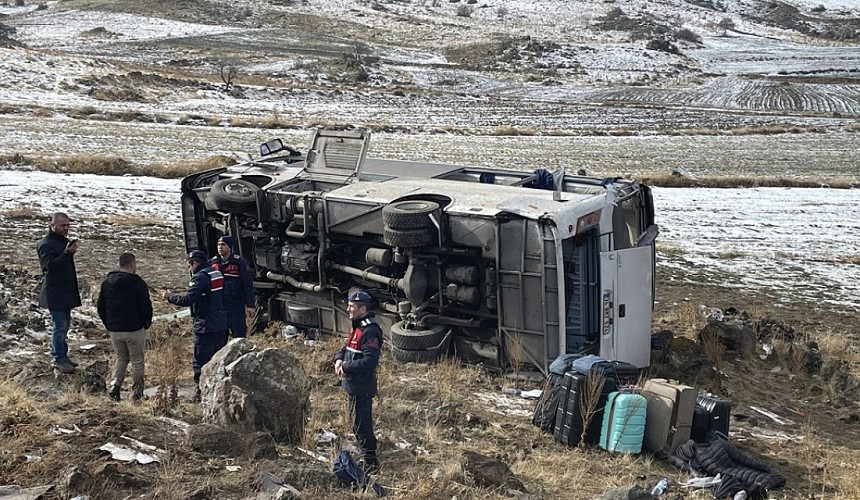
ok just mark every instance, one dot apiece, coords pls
pixel 248 389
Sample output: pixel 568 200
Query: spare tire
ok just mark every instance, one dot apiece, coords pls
pixel 410 214
pixel 233 195
pixel 423 355
pixel 410 238
pixel 416 340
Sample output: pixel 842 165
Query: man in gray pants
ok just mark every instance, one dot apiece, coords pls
pixel 126 311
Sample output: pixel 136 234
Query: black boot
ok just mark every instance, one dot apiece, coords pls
pixel 114 393
pixel 371 463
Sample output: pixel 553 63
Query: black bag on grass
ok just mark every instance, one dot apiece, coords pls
pixel 345 468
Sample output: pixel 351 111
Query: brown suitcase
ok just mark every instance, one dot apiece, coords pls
pixel 669 417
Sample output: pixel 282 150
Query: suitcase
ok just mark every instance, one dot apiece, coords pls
pixel 669 417
pixel 547 404
pixel 569 415
pixel 623 426
pixel 711 413
pixel 592 364
pixel 625 373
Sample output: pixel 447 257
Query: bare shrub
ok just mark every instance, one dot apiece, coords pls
pixel 516 353
pixel 501 12
pixel 714 349
pixel 167 355
pixel 589 402
pixel 227 70
pixel 465 10
pixel 688 35
pixel 725 25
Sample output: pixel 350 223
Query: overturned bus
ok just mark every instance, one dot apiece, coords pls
pixel 498 266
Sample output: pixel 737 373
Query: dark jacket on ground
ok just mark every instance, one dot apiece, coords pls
pixel 204 295
pixel 123 302
pixel 59 278
pixel 238 282
pixel 360 356
pixel 719 456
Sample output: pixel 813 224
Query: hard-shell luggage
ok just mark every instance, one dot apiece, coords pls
pixel 623 426
pixel 711 413
pixel 593 364
pixel 569 416
pixel 669 416
pixel 625 373
pixel 547 404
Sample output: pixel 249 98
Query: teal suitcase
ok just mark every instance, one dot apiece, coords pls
pixel 623 423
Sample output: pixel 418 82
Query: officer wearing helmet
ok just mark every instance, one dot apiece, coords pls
pixel 209 325
pixel 356 364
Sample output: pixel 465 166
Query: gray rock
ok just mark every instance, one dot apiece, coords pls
pixel 490 472
pixel 247 389
pixel 274 488
pixel 633 492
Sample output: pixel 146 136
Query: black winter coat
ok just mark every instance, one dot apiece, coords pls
pixel 360 356
pixel 719 456
pixel 123 302
pixel 59 278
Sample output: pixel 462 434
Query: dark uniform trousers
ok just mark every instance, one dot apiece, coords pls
pixel 361 411
pixel 205 346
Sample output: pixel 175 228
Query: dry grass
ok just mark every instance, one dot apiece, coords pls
pixel 670 251
pixel 20 212
pixel 167 361
pixel 671 179
pixel 109 165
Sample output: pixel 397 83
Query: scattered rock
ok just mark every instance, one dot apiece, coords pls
pixel 770 328
pixel 489 472
pixel 633 492
pixel 245 389
pixel 836 373
pixel 275 488
pixel 733 335
pixel 74 479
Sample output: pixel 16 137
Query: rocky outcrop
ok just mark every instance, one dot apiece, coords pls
pixel 248 389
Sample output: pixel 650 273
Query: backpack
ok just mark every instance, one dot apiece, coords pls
pixel 345 468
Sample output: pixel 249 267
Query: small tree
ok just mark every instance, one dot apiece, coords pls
pixel 228 71
pixel 726 24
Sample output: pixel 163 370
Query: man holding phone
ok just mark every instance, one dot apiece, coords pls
pixel 60 292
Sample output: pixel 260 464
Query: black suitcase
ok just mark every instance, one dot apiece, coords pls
pixel 711 413
pixel 547 405
pixel 625 373
pixel 569 418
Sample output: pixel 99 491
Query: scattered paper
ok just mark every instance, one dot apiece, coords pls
pixel 771 415
pixel 313 454
pixel 15 492
pixel 233 468
pixel 59 431
pixel 87 347
pixel 325 436
pixel 532 394
pixel 126 454
pixel 31 458
pixel 141 445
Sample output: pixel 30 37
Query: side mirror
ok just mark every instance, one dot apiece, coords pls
pixel 271 147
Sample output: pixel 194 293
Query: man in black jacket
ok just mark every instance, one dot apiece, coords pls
pixel 126 311
pixel 60 292
pixel 356 364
